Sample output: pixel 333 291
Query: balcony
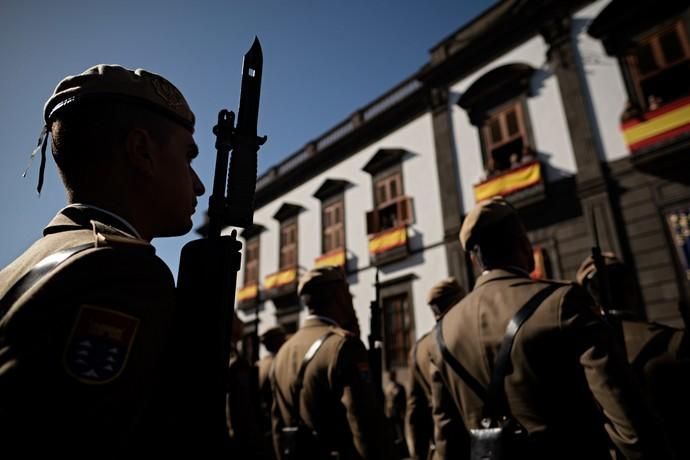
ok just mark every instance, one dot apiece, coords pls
pixel 524 182
pixel 336 258
pixel 388 245
pixel 281 283
pixel 248 297
pixel 657 127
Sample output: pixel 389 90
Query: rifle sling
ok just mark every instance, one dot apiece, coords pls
pixel 494 398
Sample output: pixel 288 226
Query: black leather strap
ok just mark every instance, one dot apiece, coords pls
pixel 459 369
pixel 496 403
pixel 30 278
pixel 494 398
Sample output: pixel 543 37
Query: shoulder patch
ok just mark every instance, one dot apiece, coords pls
pixel 99 344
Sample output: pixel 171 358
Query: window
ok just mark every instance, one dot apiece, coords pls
pixel 505 139
pixel 288 243
pixel 391 207
pixel 398 330
pixel 251 265
pixel 660 67
pixel 333 225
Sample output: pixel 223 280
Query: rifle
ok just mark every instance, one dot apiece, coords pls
pixel 604 287
pixel 375 342
pixel 207 276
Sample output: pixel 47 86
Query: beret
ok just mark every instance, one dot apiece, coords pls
pixel 485 215
pixel 446 290
pixel 114 81
pixel 320 276
pixel 587 268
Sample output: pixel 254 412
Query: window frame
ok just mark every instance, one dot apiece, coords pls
pixel 252 265
pixel 337 228
pixel 653 37
pixel 285 225
pixel 488 146
pixel 400 287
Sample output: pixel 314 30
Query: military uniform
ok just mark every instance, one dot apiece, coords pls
pixel 657 353
pixel 419 425
pixel 565 364
pixel 82 351
pixel 337 398
pixel 90 350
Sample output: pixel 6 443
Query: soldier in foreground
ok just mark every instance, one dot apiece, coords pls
pixel 567 385
pixel 88 346
pixel 419 424
pixel 326 408
pixel 659 354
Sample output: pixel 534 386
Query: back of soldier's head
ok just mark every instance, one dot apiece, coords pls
pixel 273 338
pixel 443 295
pixel 318 288
pixel 493 232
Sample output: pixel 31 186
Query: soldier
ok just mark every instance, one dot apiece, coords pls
pixel 419 425
pixel 564 365
pixel 331 398
pixel 87 313
pixel 657 353
pixel 272 339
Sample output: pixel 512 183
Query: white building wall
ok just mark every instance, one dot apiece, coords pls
pixel 545 112
pixel 420 179
pixel 604 84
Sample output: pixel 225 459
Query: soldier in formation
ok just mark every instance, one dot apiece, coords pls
pixel 419 424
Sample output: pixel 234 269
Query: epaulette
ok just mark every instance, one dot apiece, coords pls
pixel 342 332
pixel 107 236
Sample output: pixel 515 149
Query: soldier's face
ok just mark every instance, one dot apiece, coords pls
pixel 177 184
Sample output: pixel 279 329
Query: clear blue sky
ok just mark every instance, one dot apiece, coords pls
pixel 322 60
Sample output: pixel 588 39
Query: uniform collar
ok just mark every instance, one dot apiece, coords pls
pixel 501 274
pixel 318 320
pixel 83 216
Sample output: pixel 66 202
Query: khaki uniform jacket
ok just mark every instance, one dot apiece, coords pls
pixel 659 356
pixel 565 364
pixel 83 352
pixel 419 425
pixel 337 398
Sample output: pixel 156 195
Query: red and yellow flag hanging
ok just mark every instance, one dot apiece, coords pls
pixel 280 279
pixel 658 125
pixel 388 239
pixel 335 258
pixel 509 182
pixel 248 292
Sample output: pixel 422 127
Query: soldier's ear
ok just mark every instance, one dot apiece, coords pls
pixel 139 147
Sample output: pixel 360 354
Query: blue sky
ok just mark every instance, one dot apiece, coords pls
pixel 322 60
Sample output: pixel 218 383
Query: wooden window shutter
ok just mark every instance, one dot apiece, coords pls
pixel 372 221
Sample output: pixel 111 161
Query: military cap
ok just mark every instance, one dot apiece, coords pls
pixel 587 268
pixel 446 290
pixel 318 277
pixel 485 215
pixel 113 81
pixel 273 333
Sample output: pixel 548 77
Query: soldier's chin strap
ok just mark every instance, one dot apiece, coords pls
pixel 40 145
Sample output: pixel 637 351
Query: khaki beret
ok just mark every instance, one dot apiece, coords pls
pixel 273 333
pixel 320 276
pixel 113 81
pixel 587 268
pixel 445 291
pixel 485 215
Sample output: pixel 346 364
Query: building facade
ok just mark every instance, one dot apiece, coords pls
pixel 577 112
